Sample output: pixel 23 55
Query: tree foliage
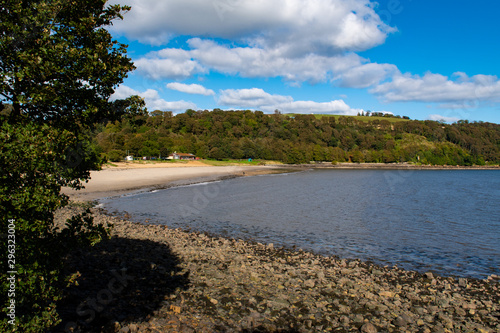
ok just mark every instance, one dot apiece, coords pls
pixel 58 68
pixel 302 138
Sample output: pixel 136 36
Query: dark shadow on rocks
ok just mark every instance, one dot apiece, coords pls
pixel 120 280
pixel 264 330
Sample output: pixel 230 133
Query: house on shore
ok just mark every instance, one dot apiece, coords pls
pixel 182 156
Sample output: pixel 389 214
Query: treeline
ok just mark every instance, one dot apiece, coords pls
pixel 221 134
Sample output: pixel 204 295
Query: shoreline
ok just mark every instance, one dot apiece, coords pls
pixel 136 177
pixel 182 281
pixel 112 182
pixel 392 166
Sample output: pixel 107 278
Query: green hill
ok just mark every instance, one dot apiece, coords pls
pixel 299 138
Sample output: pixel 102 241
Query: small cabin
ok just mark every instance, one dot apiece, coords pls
pixel 182 156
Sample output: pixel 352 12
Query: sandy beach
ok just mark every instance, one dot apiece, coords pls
pixel 122 178
pixel 131 177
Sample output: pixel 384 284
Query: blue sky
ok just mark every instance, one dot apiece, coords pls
pixel 424 59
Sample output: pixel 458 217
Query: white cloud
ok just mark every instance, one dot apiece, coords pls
pixel 292 26
pixel 366 75
pixel 444 119
pixel 123 92
pixel 349 69
pixel 298 40
pixel 190 88
pixel 153 100
pixel 168 63
pixel 306 107
pixel 438 88
pixel 459 105
pixel 251 98
pixel 259 99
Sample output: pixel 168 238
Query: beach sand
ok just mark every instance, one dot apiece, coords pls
pixel 132 177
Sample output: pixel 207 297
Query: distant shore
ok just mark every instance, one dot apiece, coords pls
pixel 396 166
pixel 123 178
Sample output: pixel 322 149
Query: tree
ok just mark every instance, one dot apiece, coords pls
pixel 58 68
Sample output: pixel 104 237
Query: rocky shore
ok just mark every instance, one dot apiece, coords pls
pixel 149 278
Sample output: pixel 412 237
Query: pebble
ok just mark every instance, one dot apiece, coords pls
pixel 179 281
pixel 368 328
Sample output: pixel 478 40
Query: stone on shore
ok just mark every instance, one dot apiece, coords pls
pixel 149 278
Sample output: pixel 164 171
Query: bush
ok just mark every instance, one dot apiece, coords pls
pixel 30 193
pixel 116 155
pixel 51 48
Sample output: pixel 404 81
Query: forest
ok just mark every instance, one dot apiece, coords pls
pixel 297 138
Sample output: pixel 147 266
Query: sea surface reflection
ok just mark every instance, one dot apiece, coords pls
pixel 446 221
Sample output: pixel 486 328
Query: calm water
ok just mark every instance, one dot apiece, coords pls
pixel 446 221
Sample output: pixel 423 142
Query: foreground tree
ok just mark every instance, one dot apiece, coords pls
pixel 58 68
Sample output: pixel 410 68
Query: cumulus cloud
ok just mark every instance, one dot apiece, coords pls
pixel 298 40
pixel 306 107
pixel 257 98
pixel 190 88
pixel 251 98
pixel 444 119
pixel 437 88
pixel 153 99
pixel 291 26
pixel 168 63
pixel 350 70
pixel 366 75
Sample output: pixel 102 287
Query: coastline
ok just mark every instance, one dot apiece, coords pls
pixel 150 278
pixel 392 166
pixel 127 178
pixel 116 181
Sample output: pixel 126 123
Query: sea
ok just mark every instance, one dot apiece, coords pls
pixel 443 221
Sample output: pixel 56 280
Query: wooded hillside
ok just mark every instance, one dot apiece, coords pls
pixel 221 134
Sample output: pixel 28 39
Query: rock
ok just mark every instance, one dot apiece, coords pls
pixel 250 288
pixel 368 328
pixel 358 318
pixel 400 321
pixel 420 311
pixel 309 283
pixel 386 294
pixel 438 329
pixel 345 320
pixel 470 306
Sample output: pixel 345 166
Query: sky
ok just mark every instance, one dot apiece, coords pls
pixel 426 59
